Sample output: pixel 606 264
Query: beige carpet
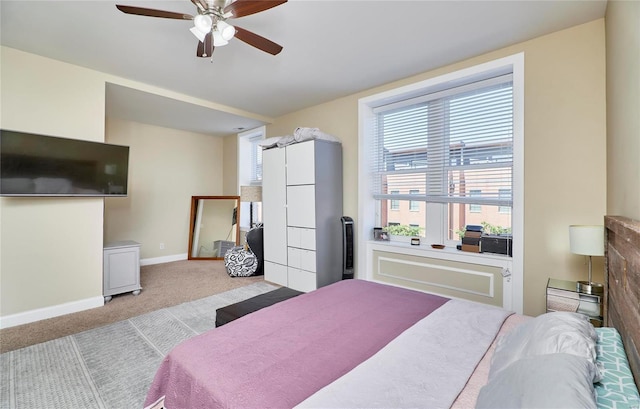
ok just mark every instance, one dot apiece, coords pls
pixel 163 285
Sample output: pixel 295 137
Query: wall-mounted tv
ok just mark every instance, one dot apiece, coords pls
pixel 39 165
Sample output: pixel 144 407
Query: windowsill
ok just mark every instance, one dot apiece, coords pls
pixel 447 253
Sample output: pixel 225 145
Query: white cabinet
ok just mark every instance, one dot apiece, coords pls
pixel 121 269
pixel 302 206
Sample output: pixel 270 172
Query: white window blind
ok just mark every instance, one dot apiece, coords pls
pixel 452 146
pixel 256 159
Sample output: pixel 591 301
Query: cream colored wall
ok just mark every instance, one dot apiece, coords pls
pixel 230 161
pixel 565 146
pixel 166 167
pixel 623 108
pixel 51 248
pixel 339 118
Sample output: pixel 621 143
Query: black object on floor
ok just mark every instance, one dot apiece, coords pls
pixel 231 312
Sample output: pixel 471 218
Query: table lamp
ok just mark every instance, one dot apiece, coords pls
pixel 587 241
pixel 251 194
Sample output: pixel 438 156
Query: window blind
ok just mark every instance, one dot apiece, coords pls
pixel 256 159
pixel 451 146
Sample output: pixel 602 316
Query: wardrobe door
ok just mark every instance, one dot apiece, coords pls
pixel 274 210
pixel 301 206
pixel 301 163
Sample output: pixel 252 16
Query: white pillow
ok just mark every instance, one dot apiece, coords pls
pixel 548 381
pixel 269 142
pixel 555 332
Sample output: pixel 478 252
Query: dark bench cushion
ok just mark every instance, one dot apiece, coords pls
pixel 237 310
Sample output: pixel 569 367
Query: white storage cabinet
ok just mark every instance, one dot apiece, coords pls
pixel 301 207
pixel 121 271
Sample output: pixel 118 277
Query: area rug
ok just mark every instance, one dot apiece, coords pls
pixel 110 367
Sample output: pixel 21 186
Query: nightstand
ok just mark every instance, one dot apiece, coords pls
pixel 563 295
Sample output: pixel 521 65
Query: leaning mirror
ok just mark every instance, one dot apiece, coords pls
pixel 213 227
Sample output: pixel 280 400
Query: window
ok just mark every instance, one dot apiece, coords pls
pixel 250 170
pixel 256 159
pixel 449 146
pixel 505 194
pixel 445 177
pixel 475 208
pixel 414 205
pixel 250 157
pixel 395 205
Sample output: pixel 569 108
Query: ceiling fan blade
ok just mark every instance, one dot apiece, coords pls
pixel 205 49
pixel 200 4
pixel 257 41
pixel 241 8
pixel 140 11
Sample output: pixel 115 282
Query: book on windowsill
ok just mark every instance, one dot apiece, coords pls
pixel 470 248
pixel 474 234
pixel 473 241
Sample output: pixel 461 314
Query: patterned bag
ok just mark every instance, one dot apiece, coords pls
pixel 240 262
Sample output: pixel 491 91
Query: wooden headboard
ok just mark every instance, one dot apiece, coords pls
pixel 622 284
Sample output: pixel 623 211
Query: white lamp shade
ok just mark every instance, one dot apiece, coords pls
pixel 587 240
pixel 199 34
pixel 203 23
pixel 251 193
pixel 226 31
pixel 218 41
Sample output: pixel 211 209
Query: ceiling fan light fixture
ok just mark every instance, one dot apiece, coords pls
pixel 218 41
pixel 226 30
pixel 203 23
pixel 199 34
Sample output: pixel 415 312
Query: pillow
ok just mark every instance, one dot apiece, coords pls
pixel 554 332
pixel 548 381
pixel 269 142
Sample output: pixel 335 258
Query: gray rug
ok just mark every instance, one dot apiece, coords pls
pixel 111 367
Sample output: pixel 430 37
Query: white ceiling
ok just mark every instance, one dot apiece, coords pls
pixel 331 49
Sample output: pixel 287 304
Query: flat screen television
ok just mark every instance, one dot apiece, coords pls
pixel 39 165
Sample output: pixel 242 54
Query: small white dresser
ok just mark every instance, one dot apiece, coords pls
pixel 121 271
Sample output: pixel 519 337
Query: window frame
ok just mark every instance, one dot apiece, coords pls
pixel 436 118
pixel 367 206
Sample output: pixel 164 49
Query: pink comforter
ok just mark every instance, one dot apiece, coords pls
pixel 278 356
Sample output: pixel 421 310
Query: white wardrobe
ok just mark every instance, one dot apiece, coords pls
pixel 301 209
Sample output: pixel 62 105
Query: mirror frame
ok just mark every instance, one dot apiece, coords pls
pixel 194 208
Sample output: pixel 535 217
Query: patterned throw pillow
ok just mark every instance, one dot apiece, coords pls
pixel 239 262
pixel 616 389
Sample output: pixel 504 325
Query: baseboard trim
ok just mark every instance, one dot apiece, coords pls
pixel 50 312
pixel 164 259
pixel 28 317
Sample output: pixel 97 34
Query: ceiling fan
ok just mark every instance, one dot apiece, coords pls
pixel 210 26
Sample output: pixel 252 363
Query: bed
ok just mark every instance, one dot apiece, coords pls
pixel 363 344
